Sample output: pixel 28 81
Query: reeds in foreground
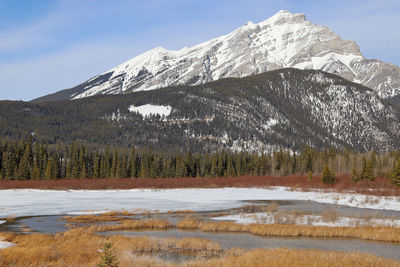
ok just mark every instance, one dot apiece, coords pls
pixel 81 248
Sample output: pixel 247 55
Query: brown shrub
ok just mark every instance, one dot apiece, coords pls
pixel 329 215
pixel 381 186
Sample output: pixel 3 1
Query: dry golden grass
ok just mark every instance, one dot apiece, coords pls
pixel 389 234
pixel 376 233
pixel 120 213
pixel 295 257
pixel 188 223
pixel 382 233
pixel 113 216
pixel 91 218
pixel 10 219
pixel 81 248
pixel 181 211
pixel 133 225
pixel 219 214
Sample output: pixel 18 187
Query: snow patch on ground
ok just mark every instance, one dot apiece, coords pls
pixel 271 122
pixel 317 220
pixel 2 221
pixel 149 109
pixel 4 244
pixel 31 202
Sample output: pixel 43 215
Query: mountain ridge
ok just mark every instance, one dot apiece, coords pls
pixel 284 40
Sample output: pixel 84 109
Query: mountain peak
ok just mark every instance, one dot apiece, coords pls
pixel 284 16
pixel 285 40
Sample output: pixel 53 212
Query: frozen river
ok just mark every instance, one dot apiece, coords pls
pixel 29 202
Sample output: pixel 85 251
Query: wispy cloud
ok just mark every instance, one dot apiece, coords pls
pixel 32 78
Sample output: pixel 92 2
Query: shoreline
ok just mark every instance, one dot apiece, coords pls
pixel 379 187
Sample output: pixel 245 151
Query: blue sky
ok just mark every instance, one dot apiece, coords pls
pixel 50 45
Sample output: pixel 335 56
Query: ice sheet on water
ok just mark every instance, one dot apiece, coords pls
pixel 28 202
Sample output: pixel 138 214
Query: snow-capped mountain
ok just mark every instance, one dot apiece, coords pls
pixel 284 40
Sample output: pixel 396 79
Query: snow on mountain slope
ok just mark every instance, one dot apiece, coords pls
pixel 284 40
pixel 149 109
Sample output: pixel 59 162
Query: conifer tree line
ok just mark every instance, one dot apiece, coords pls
pixel 27 160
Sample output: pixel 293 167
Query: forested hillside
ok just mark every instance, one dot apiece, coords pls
pixel 280 109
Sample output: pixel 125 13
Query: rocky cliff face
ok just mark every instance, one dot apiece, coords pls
pixel 284 40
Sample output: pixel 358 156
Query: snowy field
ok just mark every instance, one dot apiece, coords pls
pixel 29 202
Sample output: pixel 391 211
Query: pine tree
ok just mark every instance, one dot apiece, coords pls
pixel 231 172
pixel 108 257
pixel 115 162
pixel 48 172
pixel 214 166
pixel 103 169
pixel 368 170
pixel 75 169
pixel 122 170
pixel 309 176
pixel 55 167
pixel 96 165
pixel 328 177
pixel 355 176
pixel 35 171
pixel 133 167
pixel 9 165
pixel 107 158
pixel 363 169
pixel 278 160
pixel 189 165
pixel 68 169
pixel 395 175
pixel 83 172
pixel 221 163
pixel 24 172
pixel 132 164
pixel 309 160
pixel 294 163
pixel 180 167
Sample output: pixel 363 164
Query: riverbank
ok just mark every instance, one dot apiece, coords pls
pixel 381 186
